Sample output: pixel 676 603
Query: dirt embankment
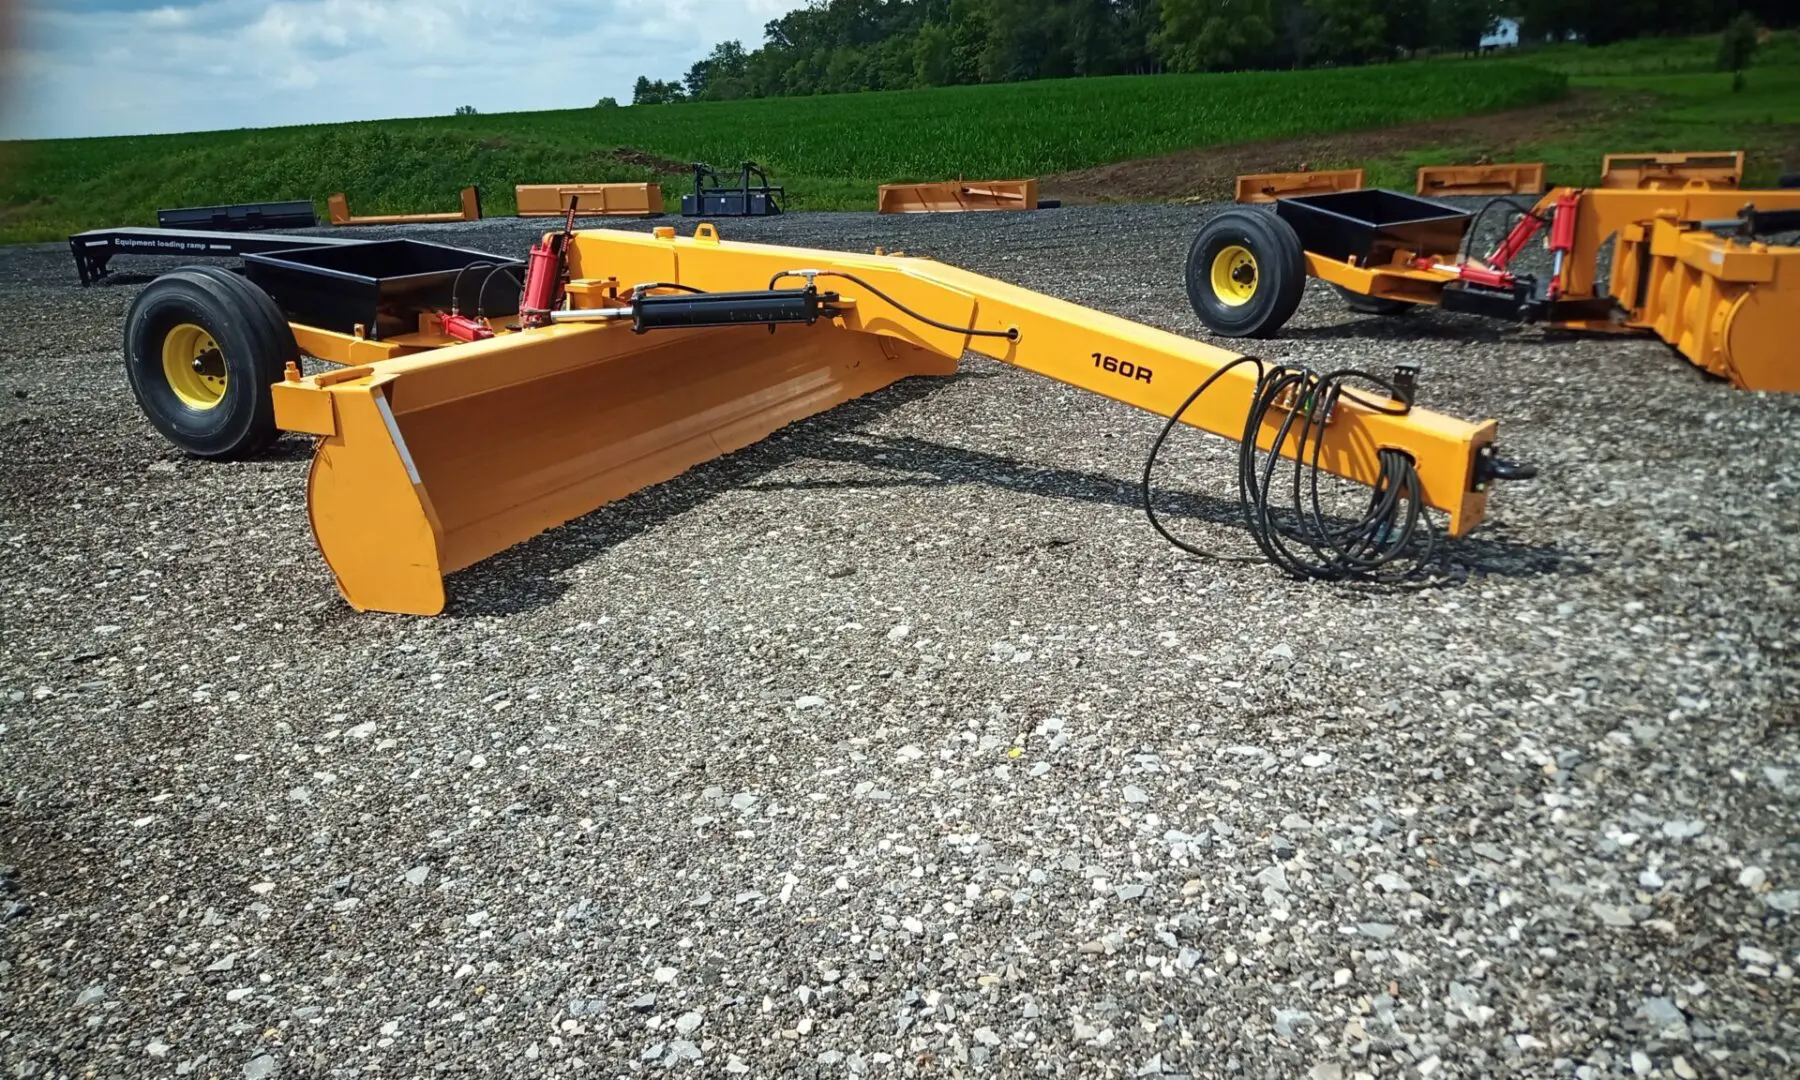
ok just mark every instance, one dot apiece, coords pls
pixel 1206 172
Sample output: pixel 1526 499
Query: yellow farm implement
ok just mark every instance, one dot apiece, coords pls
pixel 957 195
pixel 338 207
pixel 479 400
pixel 1663 171
pixel 1504 179
pixel 592 200
pixel 1693 265
pixel 1267 187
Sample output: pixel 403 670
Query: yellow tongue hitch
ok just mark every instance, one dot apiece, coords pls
pixel 621 359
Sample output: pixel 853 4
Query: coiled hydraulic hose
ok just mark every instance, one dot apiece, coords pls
pixel 1392 540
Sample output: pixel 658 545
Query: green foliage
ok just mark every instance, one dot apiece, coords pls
pixel 1737 44
pixel 829 154
pixel 933 57
pixel 1657 56
pixel 465 110
pixel 1345 31
pixel 1214 35
pixel 656 92
pixel 1459 25
pixel 839 46
pixel 607 103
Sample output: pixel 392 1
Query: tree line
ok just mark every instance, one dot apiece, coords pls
pixel 842 46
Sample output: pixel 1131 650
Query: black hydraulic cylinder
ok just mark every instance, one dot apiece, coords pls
pixel 766 307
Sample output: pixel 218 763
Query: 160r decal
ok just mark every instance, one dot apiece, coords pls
pixel 1122 367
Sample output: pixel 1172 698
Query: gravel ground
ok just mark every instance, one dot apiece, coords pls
pixel 899 745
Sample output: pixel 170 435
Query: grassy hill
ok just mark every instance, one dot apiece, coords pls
pixel 1660 94
pixel 831 152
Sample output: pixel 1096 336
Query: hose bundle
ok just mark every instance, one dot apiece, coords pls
pixel 1393 539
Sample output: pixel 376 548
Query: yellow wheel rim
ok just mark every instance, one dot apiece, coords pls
pixel 194 367
pixel 1234 275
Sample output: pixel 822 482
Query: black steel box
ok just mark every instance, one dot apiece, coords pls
pixel 383 285
pixel 1370 224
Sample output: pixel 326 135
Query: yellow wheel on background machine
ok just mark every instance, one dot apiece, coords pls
pixel 1245 273
pixel 202 347
pixel 1234 275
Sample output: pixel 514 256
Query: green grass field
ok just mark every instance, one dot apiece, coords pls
pixel 832 152
pixel 1659 95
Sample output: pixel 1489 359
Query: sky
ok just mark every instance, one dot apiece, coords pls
pixel 133 67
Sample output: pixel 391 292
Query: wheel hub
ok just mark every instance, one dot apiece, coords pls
pixel 1234 275
pixel 194 366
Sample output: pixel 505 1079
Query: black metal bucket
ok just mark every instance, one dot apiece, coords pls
pixel 383 285
pixel 1370 224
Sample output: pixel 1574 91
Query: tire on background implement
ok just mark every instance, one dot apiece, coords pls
pixel 1277 273
pixel 1364 304
pixel 254 346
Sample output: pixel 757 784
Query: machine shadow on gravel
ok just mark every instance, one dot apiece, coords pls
pixel 1414 327
pixel 531 576
pixel 917 463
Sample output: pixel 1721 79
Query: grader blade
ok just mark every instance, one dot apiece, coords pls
pixel 1268 187
pixel 1660 172
pixel 957 196
pixel 436 462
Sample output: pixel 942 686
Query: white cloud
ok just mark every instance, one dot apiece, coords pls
pixel 166 16
pixel 209 64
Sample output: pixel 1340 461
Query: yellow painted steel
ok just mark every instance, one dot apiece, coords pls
pixel 1391 282
pixel 956 196
pixel 194 367
pixel 1729 306
pixel 430 462
pixel 1267 187
pixel 1602 213
pixel 591 200
pixel 1234 275
pixel 338 208
pixel 1722 169
pixel 1732 308
pixel 1510 178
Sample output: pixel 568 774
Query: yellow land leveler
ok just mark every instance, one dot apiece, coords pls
pixel 479 400
pixel 1697 265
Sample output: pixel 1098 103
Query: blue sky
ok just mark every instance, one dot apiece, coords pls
pixel 131 67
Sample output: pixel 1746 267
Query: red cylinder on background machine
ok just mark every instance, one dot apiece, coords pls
pixel 542 273
pixel 1562 238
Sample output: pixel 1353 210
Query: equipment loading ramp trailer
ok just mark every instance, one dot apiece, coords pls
pixel 1691 265
pixel 474 424
pixel 95 249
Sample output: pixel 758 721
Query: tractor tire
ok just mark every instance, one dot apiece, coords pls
pixel 1245 273
pixel 202 348
pixel 1372 305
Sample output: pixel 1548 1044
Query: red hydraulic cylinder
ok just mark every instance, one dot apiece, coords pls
pixel 1562 238
pixel 542 272
pixel 463 328
pixel 1493 279
pixel 1522 232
